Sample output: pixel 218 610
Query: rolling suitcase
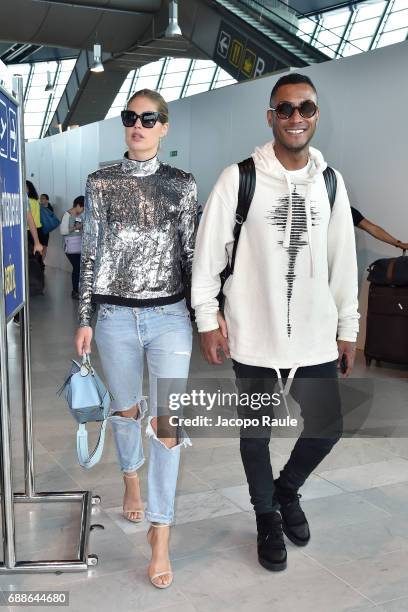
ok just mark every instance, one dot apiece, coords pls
pixel 387 324
pixel 389 272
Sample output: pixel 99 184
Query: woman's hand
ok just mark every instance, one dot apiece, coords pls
pixel 83 340
pixel 38 248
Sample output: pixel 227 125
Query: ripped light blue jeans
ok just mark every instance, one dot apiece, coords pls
pixel 124 336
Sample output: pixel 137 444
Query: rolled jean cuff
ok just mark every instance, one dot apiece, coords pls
pixel 153 517
pixel 133 468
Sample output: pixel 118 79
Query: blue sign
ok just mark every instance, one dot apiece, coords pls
pixel 10 202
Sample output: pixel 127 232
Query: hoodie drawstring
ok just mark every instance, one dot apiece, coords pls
pixel 309 228
pixel 288 228
pixel 285 390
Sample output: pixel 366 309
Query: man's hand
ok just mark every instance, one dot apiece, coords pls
pixel 215 342
pixel 348 349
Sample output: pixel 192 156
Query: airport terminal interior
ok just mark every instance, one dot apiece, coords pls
pixel 215 63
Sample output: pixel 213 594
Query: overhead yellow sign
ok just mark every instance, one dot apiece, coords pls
pixel 240 56
pixel 235 54
pixel 249 63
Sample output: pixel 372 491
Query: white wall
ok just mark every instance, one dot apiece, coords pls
pixel 362 132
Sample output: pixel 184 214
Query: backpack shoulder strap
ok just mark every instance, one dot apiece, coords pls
pixel 247 182
pixel 330 180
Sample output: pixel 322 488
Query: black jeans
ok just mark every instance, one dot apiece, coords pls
pixel 75 259
pixel 320 405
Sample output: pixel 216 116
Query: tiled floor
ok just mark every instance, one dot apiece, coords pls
pixel 356 502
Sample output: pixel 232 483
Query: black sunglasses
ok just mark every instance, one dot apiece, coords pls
pixel 148 119
pixel 284 110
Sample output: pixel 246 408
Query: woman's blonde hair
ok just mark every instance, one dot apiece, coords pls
pixel 155 97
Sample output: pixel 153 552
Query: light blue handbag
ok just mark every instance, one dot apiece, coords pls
pixel 88 400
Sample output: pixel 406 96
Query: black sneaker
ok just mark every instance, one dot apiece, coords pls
pixel 294 523
pixel 271 546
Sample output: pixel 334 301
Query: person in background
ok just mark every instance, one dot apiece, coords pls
pixel 33 242
pixel 33 218
pixel 34 203
pixel 43 237
pixel 33 233
pixel 375 230
pixel 71 229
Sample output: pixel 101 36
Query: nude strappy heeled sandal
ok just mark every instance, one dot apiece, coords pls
pixel 139 511
pixel 158 574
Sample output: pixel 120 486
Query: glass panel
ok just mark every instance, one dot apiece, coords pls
pixel 307 26
pixel 37 98
pixel 364 28
pixel 171 93
pixel 199 64
pixel 36 106
pixel 68 65
pixel 389 38
pixel 399 4
pixel 362 43
pixel 33 119
pixel 42 67
pixel 174 79
pixel 178 64
pixel 350 49
pixel 305 37
pixel 147 82
pixel 327 38
pixel 203 76
pixel 219 84
pixel 366 22
pixel 330 51
pixel 113 112
pixel 396 21
pixel 151 69
pixel 370 10
pixel 38 93
pixel 195 89
pixel 31 133
pixel 224 75
pixel 336 19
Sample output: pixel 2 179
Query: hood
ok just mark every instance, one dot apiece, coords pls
pixel 266 161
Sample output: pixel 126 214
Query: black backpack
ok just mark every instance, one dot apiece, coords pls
pixel 247 183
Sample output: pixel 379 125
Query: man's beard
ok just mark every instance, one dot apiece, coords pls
pixel 294 148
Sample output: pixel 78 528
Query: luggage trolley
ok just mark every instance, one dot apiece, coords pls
pixel 14 299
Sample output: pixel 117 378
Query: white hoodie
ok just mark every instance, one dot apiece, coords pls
pixel 294 287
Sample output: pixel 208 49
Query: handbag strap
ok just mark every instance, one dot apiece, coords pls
pixel 85 458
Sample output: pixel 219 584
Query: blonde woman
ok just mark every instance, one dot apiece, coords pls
pixel 138 238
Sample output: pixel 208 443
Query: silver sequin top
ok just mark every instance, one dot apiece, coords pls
pixel 138 236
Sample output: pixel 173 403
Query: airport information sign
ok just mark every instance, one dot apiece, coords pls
pixel 11 201
pixel 240 56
